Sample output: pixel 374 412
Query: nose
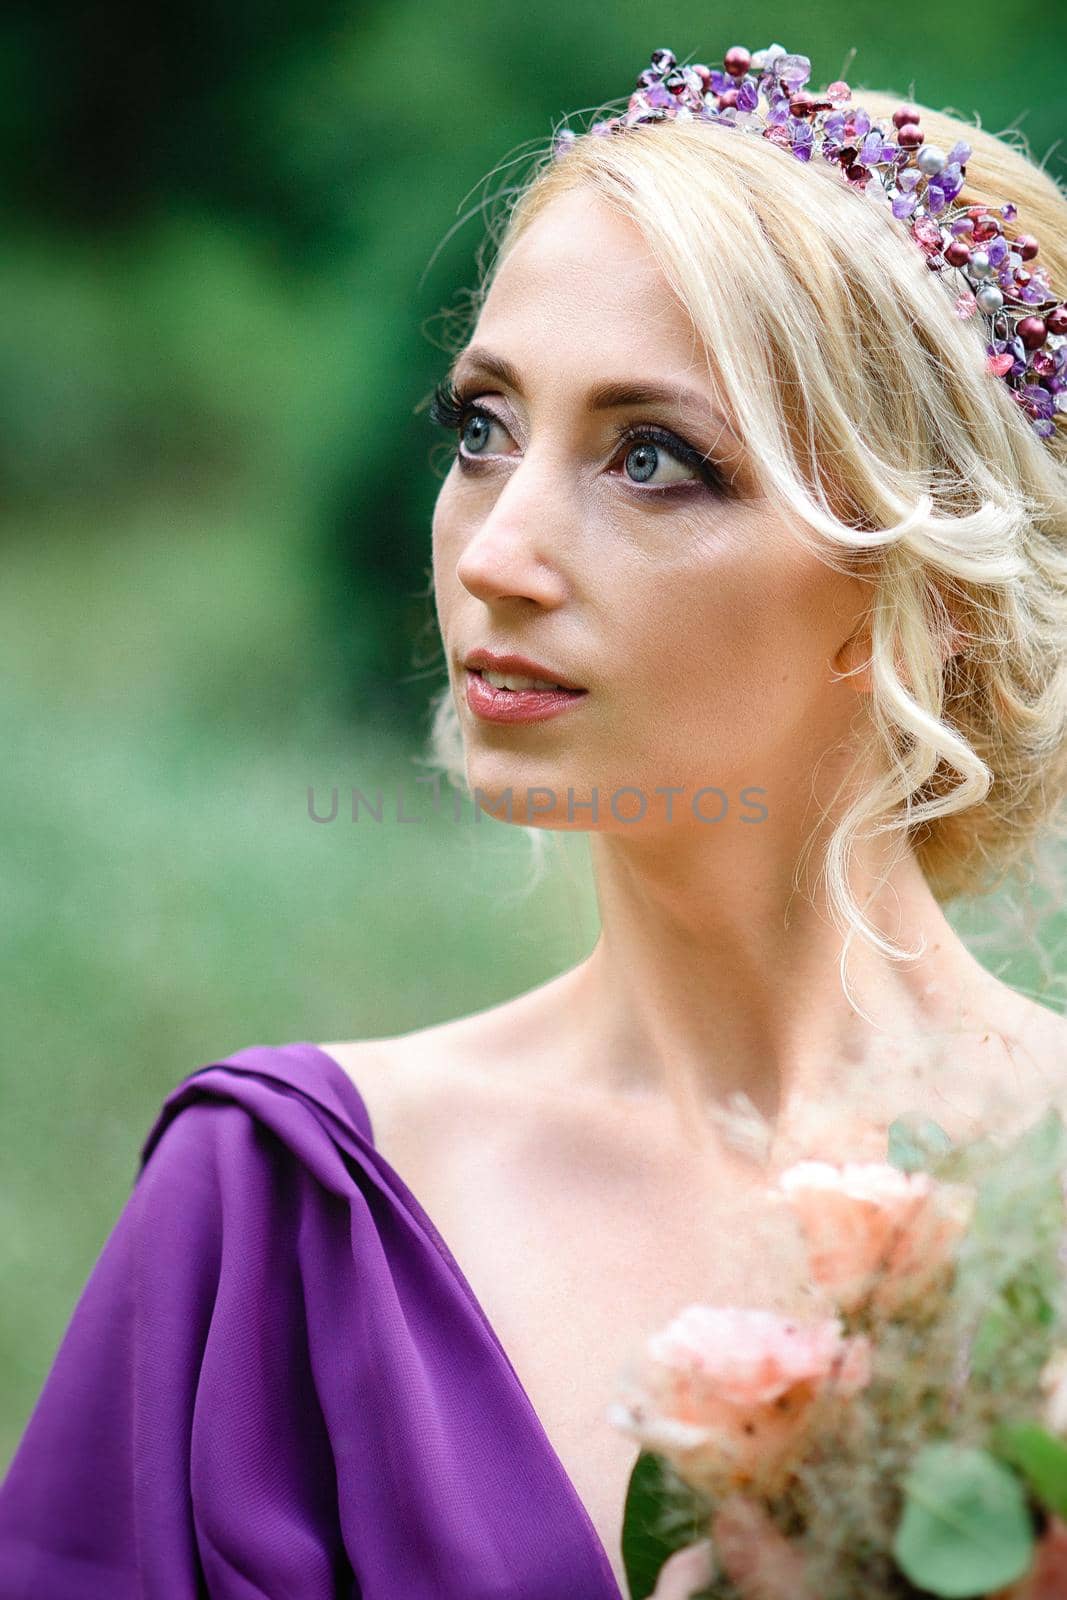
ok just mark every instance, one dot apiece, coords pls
pixel 512 553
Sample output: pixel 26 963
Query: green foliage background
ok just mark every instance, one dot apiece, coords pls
pixel 215 497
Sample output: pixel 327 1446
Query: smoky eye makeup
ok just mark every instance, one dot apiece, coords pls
pixel 452 408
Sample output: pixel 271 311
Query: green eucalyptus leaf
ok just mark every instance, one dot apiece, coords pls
pixel 1042 1459
pixel 661 1515
pixel 966 1528
pixel 917 1143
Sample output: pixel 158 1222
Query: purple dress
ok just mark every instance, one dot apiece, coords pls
pixel 277 1384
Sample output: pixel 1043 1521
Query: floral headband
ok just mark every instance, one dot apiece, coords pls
pixel 986 271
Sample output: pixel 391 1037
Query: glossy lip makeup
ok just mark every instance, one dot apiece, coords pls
pixel 494 704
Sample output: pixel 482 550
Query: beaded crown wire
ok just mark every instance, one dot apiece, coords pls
pixel 988 273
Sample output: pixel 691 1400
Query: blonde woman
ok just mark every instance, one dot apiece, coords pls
pixel 750 568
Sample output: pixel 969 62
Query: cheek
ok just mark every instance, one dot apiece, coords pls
pixel 734 641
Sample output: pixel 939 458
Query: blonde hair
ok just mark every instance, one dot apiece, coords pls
pixel 881 435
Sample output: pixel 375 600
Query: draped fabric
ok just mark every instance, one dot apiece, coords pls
pixel 278 1385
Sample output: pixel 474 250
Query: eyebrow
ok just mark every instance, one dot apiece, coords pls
pixel 602 396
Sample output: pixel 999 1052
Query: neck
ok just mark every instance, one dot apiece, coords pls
pixel 712 976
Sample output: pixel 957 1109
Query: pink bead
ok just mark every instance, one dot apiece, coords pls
pixel 1026 245
pixel 737 61
pixel 728 98
pixel 1056 321
pixel 927 234
pixel 957 253
pixel 1032 331
pixel 905 114
pixel 986 228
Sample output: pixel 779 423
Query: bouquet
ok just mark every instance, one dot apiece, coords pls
pixel 909 1437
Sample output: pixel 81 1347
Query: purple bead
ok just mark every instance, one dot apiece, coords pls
pixel 1009 211
pixel 747 95
pixel 663 60
pixel 793 71
pixel 961 152
pixel 870 152
pixel 1035 395
pixel 904 205
pixel 997 249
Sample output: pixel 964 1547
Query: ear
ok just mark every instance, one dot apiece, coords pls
pixel 853 658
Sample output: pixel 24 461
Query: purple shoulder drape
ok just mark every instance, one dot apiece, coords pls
pixel 278 1385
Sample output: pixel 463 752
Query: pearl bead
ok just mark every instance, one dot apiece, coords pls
pixel 989 298
pixel 931 160
pixel 905 114
pixel 981 266
pixel 737 61
pixel 1057 319
pixel 910 136
pixel 957 253
pixel 1026 245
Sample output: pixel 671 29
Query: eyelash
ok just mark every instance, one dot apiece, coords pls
pixel 450 408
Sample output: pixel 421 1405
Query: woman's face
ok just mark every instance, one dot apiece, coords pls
pixel 704 634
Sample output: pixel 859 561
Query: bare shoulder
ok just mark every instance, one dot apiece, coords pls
pixel 416 1085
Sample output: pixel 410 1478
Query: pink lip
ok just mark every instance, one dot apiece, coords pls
pixel 519 666
pixel 517 705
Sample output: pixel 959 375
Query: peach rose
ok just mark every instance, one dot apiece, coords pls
pixel 875 1235
pixel 727 1395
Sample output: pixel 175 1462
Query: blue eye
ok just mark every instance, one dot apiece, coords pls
pixel 478 423
pixel 643 459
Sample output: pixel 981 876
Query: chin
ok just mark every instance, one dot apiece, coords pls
pixel 527 790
